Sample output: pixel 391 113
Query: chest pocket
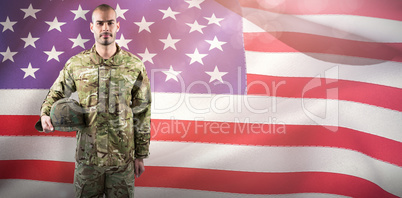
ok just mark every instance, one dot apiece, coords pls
pixel 87 83
pixel 122 81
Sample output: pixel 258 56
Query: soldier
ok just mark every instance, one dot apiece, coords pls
pixel 114 90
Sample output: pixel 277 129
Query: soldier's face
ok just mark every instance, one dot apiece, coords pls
pixel 104 26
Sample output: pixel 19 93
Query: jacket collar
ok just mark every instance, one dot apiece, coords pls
pixel 114 60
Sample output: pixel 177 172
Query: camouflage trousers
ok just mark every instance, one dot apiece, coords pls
pixel 111 181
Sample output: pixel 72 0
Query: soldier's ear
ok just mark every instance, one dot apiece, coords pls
pixel 91 27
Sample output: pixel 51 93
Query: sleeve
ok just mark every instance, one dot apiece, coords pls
pixel 61 88
pixel 141 105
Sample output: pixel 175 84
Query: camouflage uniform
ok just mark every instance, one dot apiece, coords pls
pixel 113 181
pixel 116 96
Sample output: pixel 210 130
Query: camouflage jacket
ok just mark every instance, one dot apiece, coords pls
pixel 116 97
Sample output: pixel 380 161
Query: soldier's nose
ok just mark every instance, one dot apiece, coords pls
pixel 105 27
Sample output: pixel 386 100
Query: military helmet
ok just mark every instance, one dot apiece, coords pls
pixel 66 115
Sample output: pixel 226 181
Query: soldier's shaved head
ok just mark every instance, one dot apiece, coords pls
pixel 103 7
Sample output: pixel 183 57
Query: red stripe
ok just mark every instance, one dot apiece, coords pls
pixel 302 42
pixel 307 87
pixel 209 180
pixel 261 134
pixel 24 125
pixel 387 9
pixel 260 183
pixel 277 135
pixel 42 170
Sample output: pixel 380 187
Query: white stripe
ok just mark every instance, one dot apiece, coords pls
pixel 37 148
pixel 295 64
pixel 21 101
pixel 351 27
pixel 255 109
pixel 263 158
pixel 277 159
pixel 293 111
pixel 11 188
pixel 148 192
pixel 15 188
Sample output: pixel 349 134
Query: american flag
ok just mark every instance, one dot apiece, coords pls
pixel 251 98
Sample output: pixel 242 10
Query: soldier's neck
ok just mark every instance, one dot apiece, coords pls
pixel 106 51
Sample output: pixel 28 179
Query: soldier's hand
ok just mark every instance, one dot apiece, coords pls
pixel 139 167
pixel 47 124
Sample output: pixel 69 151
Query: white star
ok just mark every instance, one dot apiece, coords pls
pixel 215 44
pixel 195 26
pixel 196 57
pixel 123 42
pixel 169 42
pixel 169 13
pixel 80 13
pixel 214 20
pixel 120 12
pixel 53 54
pixel 144 25
pixel 29 40
pixel 55 24
pixel 29 71
pixel 171 74
pixel 30 11
pixel 216 75
pixel 8 25
pixel 8 55
pixel 194 3
pixel 79 41
pixel 146 56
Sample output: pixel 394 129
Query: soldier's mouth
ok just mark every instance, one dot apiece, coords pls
pixel 106 35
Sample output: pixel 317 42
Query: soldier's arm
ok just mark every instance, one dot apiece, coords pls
pixel 142 114
pixel 62 87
